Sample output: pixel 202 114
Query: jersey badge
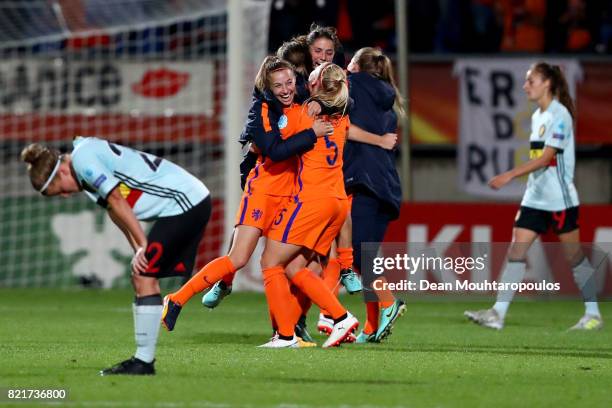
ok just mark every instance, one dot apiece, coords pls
pixel 257 214
pixel 282 122
pixel 542 130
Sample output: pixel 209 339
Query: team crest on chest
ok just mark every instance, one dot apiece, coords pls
pixel 542 130
pixel 282 122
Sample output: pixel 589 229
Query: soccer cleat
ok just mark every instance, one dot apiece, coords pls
pixel 302 332
pixel 341 331
pixel 350 280
pixel 215 295
pixel 276 342
pixel 170 313
pixel 325 324
pixel 366 338
pixel 486 318
pixel 133 366
pixel 305 344
pixel 588 322
pixel 388 316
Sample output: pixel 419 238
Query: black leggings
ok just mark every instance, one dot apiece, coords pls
pixel 370 217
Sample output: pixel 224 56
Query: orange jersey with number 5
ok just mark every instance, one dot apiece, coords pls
pixel 320 169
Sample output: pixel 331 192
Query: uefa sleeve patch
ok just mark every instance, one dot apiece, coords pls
pixel 282 122
pixel 99 181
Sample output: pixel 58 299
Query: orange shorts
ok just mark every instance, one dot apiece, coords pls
pixel 258 210
pixel 311 224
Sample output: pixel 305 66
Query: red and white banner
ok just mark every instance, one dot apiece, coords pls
pixel 101 87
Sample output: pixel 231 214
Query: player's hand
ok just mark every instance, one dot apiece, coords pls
pixel 500 180
pixel 388 141
pixel 254 149
pixel 313 108
pixel 322 128
pixel 139 261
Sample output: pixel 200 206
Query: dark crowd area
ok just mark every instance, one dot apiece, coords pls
pixel 455 26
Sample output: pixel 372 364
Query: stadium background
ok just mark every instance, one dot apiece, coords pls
pixel 154 75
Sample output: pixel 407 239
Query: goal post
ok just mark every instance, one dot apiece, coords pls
pixel 150 74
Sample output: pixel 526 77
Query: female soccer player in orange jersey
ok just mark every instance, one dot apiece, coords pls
pixel 306 227
pixel 267 186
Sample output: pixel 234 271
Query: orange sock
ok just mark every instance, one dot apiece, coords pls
pixel 386 303
pixel 206 277
pixel 314 287
pixel 303 301
pixel 331 276
pixel 282 305
pixel 228 279
pixel 345 257
pixel 372 312
pixel 272 319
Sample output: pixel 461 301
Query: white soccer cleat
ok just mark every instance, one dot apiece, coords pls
pixel 341 331
pixel 588 322
pixel 486 318
pixel 325 325
pixel 276 342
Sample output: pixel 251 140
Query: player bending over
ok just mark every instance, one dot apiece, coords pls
pixel 132 186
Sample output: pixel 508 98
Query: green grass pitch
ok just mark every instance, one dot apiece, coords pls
pixel 435 358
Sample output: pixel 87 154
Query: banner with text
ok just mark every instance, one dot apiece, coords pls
pixel 65 87
pixel 495 120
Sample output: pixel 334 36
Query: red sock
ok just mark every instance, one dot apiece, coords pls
pixel 282 305
pixel 345 257
pixel 205 278
pixel 372 313
pixel 314 287
pixel 228 279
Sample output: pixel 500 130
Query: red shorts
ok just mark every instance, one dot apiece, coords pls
pixel 258 210
pixel 311 224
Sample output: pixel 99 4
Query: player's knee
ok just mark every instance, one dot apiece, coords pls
pixel 292 270
pixel 518 252
pixel 144 283
pixel 267 261
pixel 239 260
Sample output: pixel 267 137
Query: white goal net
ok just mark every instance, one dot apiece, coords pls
pixel 150 74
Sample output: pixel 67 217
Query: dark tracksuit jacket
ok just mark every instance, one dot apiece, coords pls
pixel 369 171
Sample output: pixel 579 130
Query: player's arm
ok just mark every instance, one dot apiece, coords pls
pixel 264 132
pixel 386 141
pixel 249 159
pixel 532 165
pixel 122 215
